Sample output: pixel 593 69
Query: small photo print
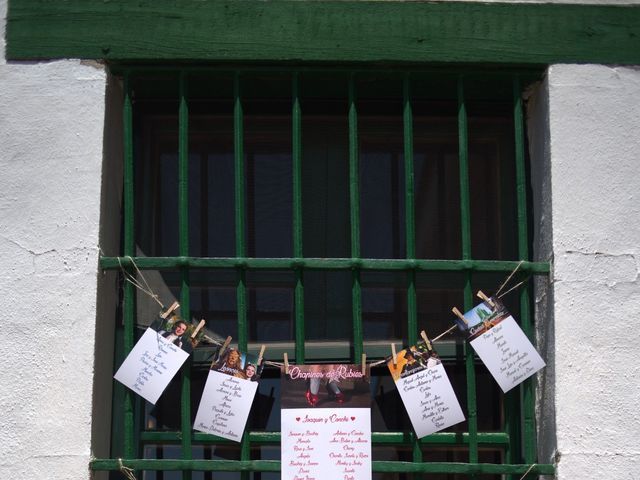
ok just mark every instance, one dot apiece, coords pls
pixel 237 364
pixel 412 360
pixel 325 386
pixel 483 317
pixel 177 331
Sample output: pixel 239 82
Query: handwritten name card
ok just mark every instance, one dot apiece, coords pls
pixel 425 390
pixel 225 405
pixel 507 353
pixel 151 365
pixel 326 443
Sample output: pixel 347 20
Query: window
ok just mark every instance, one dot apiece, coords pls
pixel 326 213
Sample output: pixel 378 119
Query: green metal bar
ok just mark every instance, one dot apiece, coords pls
pixel 183 247
pixel 160 263
pixel 240 241
pixel 526 389
pixel 465 225
pixel 407 115
pixel 354 208
pixel 354 182
pixel 463 159
pixel 416 455
pixel 239 187
pixel 241 306
pixel 274 466
pixel 408 168
pixel 240 213
pixel 296 135
pixel 495 439
pixel 412 308
pixel 129 250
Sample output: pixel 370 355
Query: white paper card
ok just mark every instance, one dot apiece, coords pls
pixel 225 405
pixel 326 444
pixel 507 353
pixel 430 401
pixel 151 365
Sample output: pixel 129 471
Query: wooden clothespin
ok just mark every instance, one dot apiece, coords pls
pixel 198 328
pixel 364 364
pixel 224 346
pixel 423 334
pixel 286 363
pixel 261 354
pixel 460 315
pixel 393 354
pixel 486 299
pixel 169 311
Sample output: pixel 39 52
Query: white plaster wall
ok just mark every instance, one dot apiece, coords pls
pixel 51 152
pixel 594 145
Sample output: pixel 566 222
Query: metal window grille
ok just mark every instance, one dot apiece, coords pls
pixel 516 441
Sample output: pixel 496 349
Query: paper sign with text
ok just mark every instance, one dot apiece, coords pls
pixel 151 365
pixel 228 395
pixel 326 423
pixel 502 345
pixel 425 390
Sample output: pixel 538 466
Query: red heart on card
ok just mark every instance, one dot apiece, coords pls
pixel 353 418
pixel 297 419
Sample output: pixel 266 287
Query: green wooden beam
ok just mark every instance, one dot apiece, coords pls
pixel 326 31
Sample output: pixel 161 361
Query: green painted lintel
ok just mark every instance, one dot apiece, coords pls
pixel 323 31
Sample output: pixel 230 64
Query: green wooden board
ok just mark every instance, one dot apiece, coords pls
pixel 322 31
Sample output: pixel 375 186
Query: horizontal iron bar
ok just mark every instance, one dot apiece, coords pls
pixel 378 438
pixel 153 263
pixel 274 466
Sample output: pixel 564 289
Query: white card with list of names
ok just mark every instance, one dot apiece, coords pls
pixel 225 405
pixel 151 365
pixel 501 344
pixel 508 354
pixel 425 390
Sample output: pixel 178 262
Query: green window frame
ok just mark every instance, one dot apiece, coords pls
pixel 519 405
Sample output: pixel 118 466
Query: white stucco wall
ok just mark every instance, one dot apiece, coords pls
pixel 51 156
pixel 594 132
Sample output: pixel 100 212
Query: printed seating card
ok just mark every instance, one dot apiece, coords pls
pixel 326 423
pixel 228 394
pixel 156 358
pixel 501 344
pixel 425 390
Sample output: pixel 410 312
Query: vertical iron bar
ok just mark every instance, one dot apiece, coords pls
pixel 465 224
pixel 183 247
pixel 239 192
pixel 354 198
pixel 416 455
pixel 240 210
pixel 296 133
pixel 407 117
pixel 526 388
pixel 129 250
